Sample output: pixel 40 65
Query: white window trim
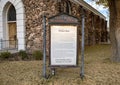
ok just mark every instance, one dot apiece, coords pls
pixel 20 17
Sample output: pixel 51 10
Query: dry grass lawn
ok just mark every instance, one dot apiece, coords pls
pixel 99 70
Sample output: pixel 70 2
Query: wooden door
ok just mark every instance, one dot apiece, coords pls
pixel 12 34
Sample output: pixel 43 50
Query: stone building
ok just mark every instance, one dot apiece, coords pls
pixel 21 22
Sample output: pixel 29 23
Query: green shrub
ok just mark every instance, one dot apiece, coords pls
pixel 23 54
pixel 5 55
pixel 37 55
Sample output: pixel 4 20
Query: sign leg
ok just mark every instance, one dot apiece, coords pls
pixel 53 71
pixel 44 46
pixel 82 45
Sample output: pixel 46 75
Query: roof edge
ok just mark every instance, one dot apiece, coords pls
pixel 89 7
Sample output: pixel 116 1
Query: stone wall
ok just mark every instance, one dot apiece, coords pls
pixel 34 32
pixel 34 10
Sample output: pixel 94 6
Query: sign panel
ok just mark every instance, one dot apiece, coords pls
pixel 63 45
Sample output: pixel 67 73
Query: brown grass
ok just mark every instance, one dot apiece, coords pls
pixel 99 70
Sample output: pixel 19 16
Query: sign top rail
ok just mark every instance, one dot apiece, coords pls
pixel 63 18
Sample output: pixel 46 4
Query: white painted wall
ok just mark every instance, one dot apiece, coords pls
pixel 20 19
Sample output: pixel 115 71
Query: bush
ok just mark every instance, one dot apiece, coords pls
pixel 23 54
pixel 5 55
pixel 37 55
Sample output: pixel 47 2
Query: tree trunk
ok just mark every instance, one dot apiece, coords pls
pixel 115 28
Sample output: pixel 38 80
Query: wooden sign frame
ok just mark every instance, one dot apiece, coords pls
pixel 63 20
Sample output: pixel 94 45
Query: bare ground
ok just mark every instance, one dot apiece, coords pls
pixel 99 70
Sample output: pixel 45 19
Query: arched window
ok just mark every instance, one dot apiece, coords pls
pixel 11 14
pixel 65 6
pixel 12 27
pixel 68 7
pixel 12 23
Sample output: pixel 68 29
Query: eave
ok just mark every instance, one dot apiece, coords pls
pixel 89 7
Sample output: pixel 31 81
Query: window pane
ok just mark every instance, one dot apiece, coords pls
pixel 11 13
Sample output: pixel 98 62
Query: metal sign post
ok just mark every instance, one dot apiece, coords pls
pixel 44 46
pixel 82 45
pixel 0 44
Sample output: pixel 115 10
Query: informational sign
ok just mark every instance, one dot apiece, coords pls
pixel 63 47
